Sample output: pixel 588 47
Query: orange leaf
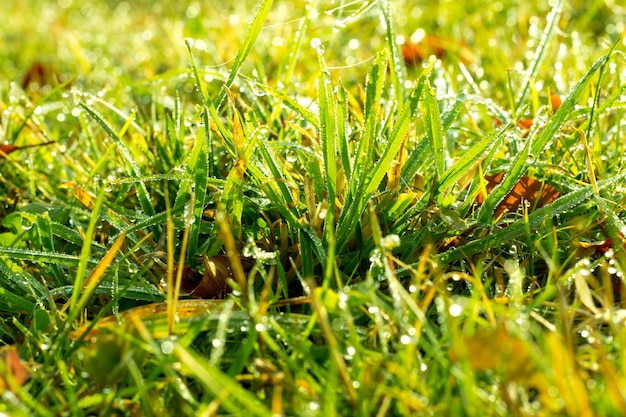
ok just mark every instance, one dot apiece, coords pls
pixel 555 102
pixel 416 52
pixel 528 189
pixel 12 367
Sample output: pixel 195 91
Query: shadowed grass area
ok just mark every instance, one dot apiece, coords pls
pixel 396 210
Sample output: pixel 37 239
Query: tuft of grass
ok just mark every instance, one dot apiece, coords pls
pixel 291 153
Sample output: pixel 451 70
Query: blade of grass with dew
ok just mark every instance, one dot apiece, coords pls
pixel 60 231
pixel 128 118
pixel 519 166
pixel 21 281
pixel 296 43
pixel 416 159
pixel 293 104
pixel 92 281
pixel 126 289
pixel 210 112
pixel 518 228
pixel 133 167
pixel 44 229
pixel 42 256
pixel 469 159
pixel 352 212
pixel 565 110
pixel 198 169
pixel 434 129
pixel 86 249
pixel 540 52
pixel 328 127
pixel 253 32
pixel 520 163
pixel 232 396
pixel 397 70
pixel 275 186
pixel 13 303
pixel 374 83
pixel 343 113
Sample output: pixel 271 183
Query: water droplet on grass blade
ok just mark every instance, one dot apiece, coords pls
pixel 167 347
pixel 316 44
pixel 26 224
pixel 455 310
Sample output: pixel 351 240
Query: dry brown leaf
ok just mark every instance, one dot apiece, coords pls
pixel 12 367
pixel 537 193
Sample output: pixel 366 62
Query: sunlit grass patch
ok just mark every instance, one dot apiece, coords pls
pixel 328 173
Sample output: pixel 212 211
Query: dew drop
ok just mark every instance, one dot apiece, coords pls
pixel 316 44
pixel 455 310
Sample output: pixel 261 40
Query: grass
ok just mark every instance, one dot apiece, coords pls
pixel 297 154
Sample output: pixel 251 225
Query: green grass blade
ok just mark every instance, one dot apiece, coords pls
pixel 198 169
pixel 253 32
pixel 280 195
pixel 86 250
pixel 434 129
pixel 21 281
pixel 133 167
pixel 564 112
pixel 44 257
pixel 517 170
pixel 374 84
pixel 343 144
pixel 209 107
pixel 416 159
pixel 469 159
pixel 540 52
pixel 296 43
pixel 13 303
pixel 328 126
pixel 293 104
pixel 397 69
pixel 232 396
pixel 399 132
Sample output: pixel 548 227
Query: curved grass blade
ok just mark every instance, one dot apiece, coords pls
pixel 520 163
pixel 44 257
pixel 397 70
pixel 246 47
pixel 434 129
pixel 209 107
pixel 133 167
pixel 374 84
pixel 328 127
pixel 400 130
pixel 292 104
pixel 566 109
pixel 17 280
pixel 518 168
pixel 552 22
pixel 363 191
pixel 469 159
pixel 198 169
